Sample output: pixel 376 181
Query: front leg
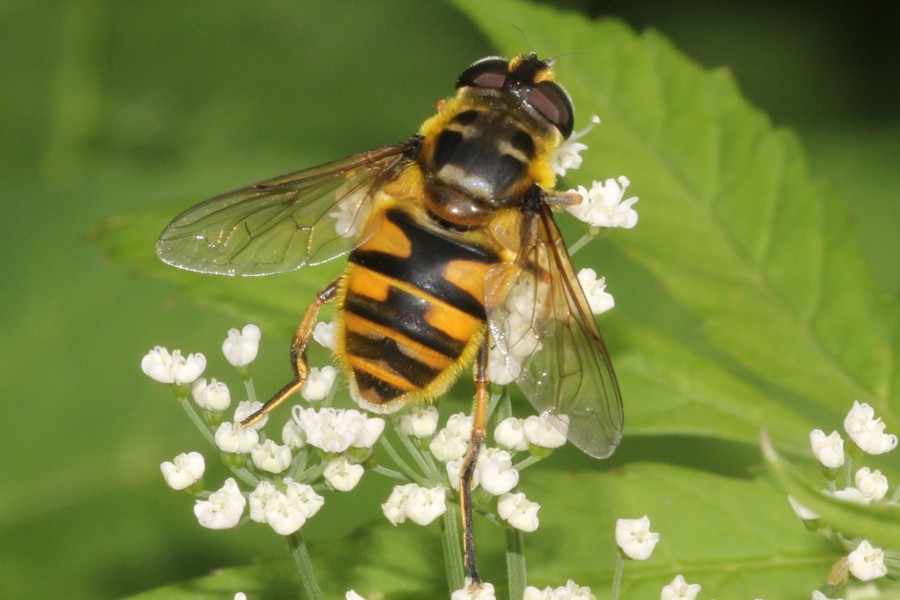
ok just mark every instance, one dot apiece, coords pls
pixel 298 353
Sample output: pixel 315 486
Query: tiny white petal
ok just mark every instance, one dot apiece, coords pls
pixel 497 475
pixel 829 449
pixel 342 475
pixel 318 383
pixel 240 347
pixel 546 431
pixel 872 484
pixel 425 505
pixel 184 471
pixel 519 511
pixel 867 431
pixel 393 506
pixel 283 514
pixel 234 439
pixel 223 509
pixel 352 595
pixel 161 366
pixel 867 562
pixel 259 499
pixel 240 596
pixel 568 155
pixel 352 211
pixel 599 300
pixel 308 500
pixel 420 421
pixel 635 539
pixel 679 589
pixel 510 434
pixel 293 435
pixel 271 457
pixel 452 441
pixel 484 592
pixel 246 408
pixel 211 395
pixel 323 333
pixel 603 205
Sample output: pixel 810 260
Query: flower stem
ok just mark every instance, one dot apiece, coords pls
pixel 300 554
pixel 573 248
pixel 515 563
pixel 452 547
pixel 195 419
pixel 617 576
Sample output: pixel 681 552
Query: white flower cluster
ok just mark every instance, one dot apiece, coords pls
pixel 867 433
pixel 604 204
pixel 336 430
pixel 284 504
pixel 570 591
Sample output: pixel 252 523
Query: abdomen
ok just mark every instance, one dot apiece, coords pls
pixel 411 310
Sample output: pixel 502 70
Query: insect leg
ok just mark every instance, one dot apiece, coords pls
pixel 479 424
pixel 298 353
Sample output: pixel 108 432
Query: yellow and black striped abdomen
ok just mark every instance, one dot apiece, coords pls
pixel 410 311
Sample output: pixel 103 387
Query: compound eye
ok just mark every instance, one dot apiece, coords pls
pixel 486 73
pixel 554 104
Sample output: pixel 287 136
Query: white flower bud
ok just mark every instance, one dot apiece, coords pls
pixel 510 434
pixel 867 431
pixel 828 449
pixel 546 431
pixel 269 456
pixel 342 475
pixel 866 562
pixel 484 592
pixel 163 367
pixel 518 511
pixel 680 589
pixel 323 333
pixel 420 421
pixel 223 509
pixel 234 439
pixel 184 471
pixel 211 395
pixel 635 539
pixel 318 384
pixel 497 475
pixel 240 347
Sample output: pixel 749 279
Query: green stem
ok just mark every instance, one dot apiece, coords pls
pixel 249 387
pixel 404 466
pixel 573 248
pixel 452 547
pixel 515 563
pixel 195 419
pixel 617 577
pixel 300 554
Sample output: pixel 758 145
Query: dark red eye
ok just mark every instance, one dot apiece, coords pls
pixel 486 73
pixel 554 104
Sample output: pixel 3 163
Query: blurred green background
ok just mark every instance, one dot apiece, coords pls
pixel 112 106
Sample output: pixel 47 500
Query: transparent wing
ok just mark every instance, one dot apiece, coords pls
pixel 544 332
pixel 285 223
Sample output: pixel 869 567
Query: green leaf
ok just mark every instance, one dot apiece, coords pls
pixel 731 224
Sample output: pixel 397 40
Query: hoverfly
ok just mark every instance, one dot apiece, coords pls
pixel 439 230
